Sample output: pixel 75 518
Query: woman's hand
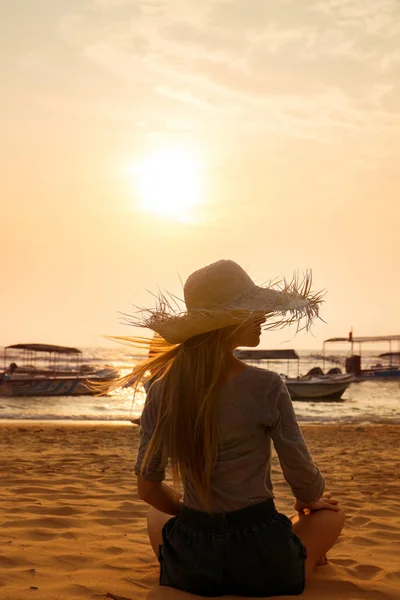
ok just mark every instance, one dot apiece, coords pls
pixel 326 501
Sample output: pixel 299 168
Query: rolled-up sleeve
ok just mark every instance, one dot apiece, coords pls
pixel 298 468
pixel 155 469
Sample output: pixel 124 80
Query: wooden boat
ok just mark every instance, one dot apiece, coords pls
pixel 319 387
pixel 389 369
pixel 49 370
pixel 314 386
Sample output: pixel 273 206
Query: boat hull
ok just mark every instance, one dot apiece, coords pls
pixel 57 386
pixel 378 374
pixel 318 389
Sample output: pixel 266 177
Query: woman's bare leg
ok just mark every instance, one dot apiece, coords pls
pixel 318 531
pixel 155 522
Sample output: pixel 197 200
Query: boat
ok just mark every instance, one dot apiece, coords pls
pixel 388 369
pixel 329 386
pixel 315 385
pixel 50 370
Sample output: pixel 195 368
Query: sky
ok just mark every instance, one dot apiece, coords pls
pixel 142 140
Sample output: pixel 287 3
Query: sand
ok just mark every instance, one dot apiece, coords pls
pixel 72 527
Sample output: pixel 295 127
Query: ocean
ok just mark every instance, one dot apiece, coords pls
pixel 362 403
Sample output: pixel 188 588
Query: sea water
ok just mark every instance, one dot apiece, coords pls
pixel 363 402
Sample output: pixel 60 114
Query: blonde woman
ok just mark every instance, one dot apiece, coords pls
pixel 213 417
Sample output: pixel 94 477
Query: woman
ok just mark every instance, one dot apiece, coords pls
pixel 214 418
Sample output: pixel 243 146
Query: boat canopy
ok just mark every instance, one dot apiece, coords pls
pixel 45 348
pixel 358 340
pixel 267 354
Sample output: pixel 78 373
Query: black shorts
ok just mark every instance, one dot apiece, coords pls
pixel 247 552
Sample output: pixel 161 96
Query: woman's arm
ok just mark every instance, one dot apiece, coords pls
pixel 151 488
pixel 298 468
pixel 155 468
pixel 160 495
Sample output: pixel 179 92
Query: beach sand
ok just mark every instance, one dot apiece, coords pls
pixel 72 527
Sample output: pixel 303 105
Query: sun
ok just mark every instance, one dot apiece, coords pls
pixel 168 183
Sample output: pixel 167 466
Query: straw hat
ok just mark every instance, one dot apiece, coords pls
pixel 222 294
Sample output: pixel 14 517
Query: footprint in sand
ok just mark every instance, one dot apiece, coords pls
pixel 381 526
pixel 75 590
pixel 365 571
pixel 58 511
pixel 387 535
pixel 365 541
pixel 38 535
pixel 392 576
pixel 73 560
pixel 44 522
pixel 381 512
pixel 115 550
pixel 345 562
pixel 32 490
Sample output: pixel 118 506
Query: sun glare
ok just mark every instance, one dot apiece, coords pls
pixel 168 183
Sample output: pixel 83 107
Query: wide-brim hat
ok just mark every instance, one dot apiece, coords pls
pixel 222 294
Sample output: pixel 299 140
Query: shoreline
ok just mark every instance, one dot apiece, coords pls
pixel 64 422
pixel 127 422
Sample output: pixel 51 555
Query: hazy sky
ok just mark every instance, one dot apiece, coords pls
pixel 289 112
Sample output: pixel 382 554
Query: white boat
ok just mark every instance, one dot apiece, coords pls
pixel 49 370
pixel 318 387
pixel 314 386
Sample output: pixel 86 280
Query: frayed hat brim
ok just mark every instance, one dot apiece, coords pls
pixel 282 303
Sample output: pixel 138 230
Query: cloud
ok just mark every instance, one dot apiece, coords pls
pixel 186 96
pixel 98 5
pixel 320 65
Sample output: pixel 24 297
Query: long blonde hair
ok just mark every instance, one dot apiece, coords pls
pixel 187 430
